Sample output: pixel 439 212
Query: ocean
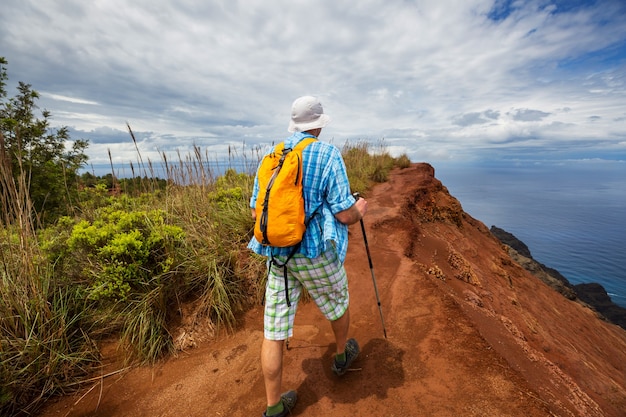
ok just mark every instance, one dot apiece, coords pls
pixel 570 214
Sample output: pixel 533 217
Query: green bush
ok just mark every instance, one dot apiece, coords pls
pixel 122 252
pixel 125 262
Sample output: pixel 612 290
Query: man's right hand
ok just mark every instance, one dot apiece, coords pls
pixel 354 213
pixel 361 205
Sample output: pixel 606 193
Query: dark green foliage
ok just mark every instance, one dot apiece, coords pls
pixel 36 155
pixel 138 185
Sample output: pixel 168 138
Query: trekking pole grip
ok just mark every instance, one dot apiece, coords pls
pixel 367 247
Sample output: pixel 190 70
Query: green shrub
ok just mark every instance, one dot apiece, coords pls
pixel 121 252
pixel 126 263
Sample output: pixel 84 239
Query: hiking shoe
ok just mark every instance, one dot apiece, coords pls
pixel 288 399
pixel 352 351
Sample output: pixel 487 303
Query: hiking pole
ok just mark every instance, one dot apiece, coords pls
pixel 369 258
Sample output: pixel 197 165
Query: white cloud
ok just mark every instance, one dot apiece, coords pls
pixel 70 99
pixel 437 79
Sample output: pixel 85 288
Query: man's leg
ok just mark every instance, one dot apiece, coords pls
pixel 340 327
pixel 272 365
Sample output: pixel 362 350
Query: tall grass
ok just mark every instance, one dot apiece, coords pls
pixel 134 264
pixel 215 216
pixel 367 164
pixel 43 347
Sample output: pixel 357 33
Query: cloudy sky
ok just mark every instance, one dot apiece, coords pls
pixel 437 79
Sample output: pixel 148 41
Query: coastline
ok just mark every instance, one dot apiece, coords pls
pixel 592 294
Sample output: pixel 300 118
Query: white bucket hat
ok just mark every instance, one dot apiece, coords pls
pixel 307 114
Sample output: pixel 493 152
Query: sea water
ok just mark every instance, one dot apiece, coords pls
pixel 570 214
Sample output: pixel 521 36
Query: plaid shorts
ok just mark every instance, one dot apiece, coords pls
pixel 323 277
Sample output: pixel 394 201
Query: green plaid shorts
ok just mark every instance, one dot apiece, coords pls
pixel 323 277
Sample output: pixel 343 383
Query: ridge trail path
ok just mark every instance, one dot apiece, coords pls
pixel 435 361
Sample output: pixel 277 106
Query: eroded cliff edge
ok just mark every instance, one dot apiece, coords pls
pixel 592 294
pixel 569 355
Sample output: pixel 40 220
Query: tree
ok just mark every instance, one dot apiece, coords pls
pixel 36 154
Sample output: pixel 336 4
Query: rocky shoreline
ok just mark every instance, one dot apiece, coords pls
pixel 592 294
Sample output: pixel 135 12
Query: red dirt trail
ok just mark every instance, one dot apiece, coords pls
pixel 470 333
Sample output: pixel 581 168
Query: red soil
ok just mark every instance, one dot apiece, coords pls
pixel 470 333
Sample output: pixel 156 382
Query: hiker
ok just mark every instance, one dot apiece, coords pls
pixel 317 263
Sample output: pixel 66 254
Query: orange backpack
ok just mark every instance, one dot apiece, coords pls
pixel 280 217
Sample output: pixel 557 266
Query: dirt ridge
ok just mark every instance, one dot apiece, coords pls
pixel 470 333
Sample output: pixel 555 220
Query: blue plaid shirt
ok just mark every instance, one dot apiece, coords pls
pixel 326 192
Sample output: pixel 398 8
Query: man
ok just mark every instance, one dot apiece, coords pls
pixel 318 263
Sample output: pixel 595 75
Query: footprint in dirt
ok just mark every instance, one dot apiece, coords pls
pixel 377 369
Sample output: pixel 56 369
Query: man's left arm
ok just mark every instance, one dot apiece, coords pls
pixel 354 213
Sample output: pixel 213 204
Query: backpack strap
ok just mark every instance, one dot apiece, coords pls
pixel 275 262
pixel 304 143
pixel 294 250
